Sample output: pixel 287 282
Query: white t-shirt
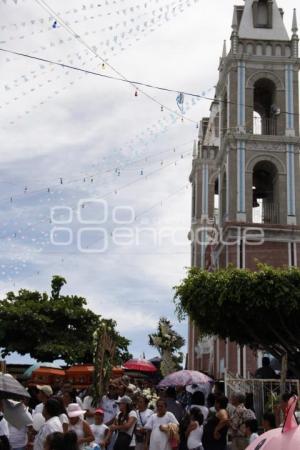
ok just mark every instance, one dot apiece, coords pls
pixel 50 426
pixel 63 418
pixel 159 440
pixel 99 432
pixel 195 438
pixel 79 401
pixel 110 408
pixel 132 414
pixel 143 416
pixel 38 409
pixel 87 406
pixel 17 437
pixel 131 429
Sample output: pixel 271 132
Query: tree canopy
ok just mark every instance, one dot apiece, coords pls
pixel 260 309
pixel 55 327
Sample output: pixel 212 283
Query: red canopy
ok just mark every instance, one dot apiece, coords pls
pixel 140 365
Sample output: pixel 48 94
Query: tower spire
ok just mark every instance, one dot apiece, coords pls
pixel 224 53
pixel 295 38
pixel 234 24
pixel 234 35
pixel 295 22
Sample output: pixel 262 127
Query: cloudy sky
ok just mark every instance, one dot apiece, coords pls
pixel 94 179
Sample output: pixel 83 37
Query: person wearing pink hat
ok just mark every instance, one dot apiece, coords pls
pixel 78 425
pixel 99 429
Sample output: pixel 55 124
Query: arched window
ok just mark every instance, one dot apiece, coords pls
pixel 265 193
pixel 223 199
pixel 264 106
pixel 216 202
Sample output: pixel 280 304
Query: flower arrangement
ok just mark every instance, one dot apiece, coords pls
pixel 151 396
pixel 168 344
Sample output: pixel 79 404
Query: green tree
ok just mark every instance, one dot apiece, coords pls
pixel 260 309
pixel 168 343
pixel 49 328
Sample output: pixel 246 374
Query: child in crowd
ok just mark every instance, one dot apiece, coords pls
pixel 251 428
pixel 99 429
pixel 194 432
pixel 269 421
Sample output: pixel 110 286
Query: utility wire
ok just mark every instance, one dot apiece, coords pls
pixel 102 75
pixel 65 25
pixel 135 83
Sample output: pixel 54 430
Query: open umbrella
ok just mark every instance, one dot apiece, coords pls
pixel 185 378
pixel 28 372
pixel 140 365
pixel 11 388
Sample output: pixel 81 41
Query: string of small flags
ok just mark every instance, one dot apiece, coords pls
pixel 45 25
pixel 118 171
pixel 44 100
pixel 117 40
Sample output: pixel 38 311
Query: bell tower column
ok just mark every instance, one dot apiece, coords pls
pixel 241 148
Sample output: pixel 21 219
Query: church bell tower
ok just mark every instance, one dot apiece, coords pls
pixel 246 173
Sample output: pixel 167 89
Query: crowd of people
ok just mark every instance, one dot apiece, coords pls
pixel 126 418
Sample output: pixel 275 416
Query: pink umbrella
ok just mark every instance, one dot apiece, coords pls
pixel 286 438
pixel 140 365
pixel 185 378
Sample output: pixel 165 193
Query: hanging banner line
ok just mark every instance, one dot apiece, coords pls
pixel 7 87
pixel 118 169
pixel 116 40
pixel 76 36
pixel 114 191
pixel 41 22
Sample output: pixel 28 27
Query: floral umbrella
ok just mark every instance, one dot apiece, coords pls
pixel 185 378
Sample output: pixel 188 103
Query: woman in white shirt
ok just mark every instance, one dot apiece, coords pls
pixel 124 425
pixel 194 432
pixel 79 426
pixel 159 439
pixel 143 414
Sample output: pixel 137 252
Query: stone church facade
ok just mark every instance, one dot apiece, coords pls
pixel 246 176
